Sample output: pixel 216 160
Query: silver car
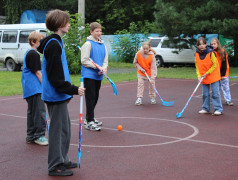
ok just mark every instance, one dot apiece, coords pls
pixel 168 53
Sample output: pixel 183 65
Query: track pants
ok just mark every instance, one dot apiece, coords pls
pixel 36 117
pixel 91 96
pixel 59 134
pixel 140 87
pixel 224 83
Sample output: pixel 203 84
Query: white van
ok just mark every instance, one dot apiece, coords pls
pixel 14 43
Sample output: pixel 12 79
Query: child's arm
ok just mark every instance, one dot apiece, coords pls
pixel 153 69
pixel 105 62
pixel 39 75
pixel 136 64
pixel 85 55
pixel 224 64
pixel 197 71
pixel 214 64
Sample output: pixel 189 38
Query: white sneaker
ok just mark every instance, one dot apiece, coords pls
pixel 217 113
pixel 98 123
pixel 138 101
pixel 152 101
pixel 42 141
pixel 203 112
pixel 91 126
pixel 229 103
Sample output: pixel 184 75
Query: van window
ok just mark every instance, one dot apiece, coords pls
pixel 43 32
pixel 0 36
pixel 154 42
pixel 168 44
pixel 24 36
pixel 9 37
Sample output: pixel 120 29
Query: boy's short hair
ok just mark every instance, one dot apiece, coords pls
pixel 56 19
pixel 34 37
pixel 95 25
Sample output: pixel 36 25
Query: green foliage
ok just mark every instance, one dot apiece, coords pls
pixel 190 17
pixel 127 43
pixel 77 35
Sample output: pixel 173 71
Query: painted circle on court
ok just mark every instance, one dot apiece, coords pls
pixel 176 139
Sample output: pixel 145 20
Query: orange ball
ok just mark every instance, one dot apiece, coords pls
pixel 119 127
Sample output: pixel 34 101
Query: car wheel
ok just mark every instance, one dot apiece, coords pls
pixel 11 65
pixel 159 61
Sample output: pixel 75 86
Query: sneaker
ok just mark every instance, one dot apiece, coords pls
pixel 229 103
pixel 138 101
pixel 60 171
pixel 152 101
pixel 41 141
pixel 203 112
pixel 98 123
pixel 217 113
pixel 91 126
pixel 70 165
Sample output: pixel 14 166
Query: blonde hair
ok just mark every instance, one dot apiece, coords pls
pixel 34 37
pixel 219 47
pixel 148 44
pixel 95 25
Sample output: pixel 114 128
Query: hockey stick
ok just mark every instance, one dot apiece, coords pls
pixel 80 124
pixel 233 76
pixel 178 115
pixel 164 103
pixel 112 83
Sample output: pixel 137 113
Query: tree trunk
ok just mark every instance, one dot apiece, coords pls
pixel 235 58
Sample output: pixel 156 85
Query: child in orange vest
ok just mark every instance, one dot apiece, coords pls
pixel 222 58
pixel 207 66
pixel 145 61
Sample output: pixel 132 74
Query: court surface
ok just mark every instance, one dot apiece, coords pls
pixel 154 144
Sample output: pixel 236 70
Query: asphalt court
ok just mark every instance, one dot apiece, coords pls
pixel 153 144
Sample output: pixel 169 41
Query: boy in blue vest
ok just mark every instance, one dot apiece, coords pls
pixel 31 85
pixel 57 91
pixel 95 49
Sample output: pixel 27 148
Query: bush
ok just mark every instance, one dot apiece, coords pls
pixel 77 35
pixel 127 43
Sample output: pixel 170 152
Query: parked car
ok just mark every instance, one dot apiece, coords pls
pixel 165 51
pixel 14 43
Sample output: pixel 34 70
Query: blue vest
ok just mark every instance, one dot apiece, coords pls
pixel 97 54
pixel 30 83
pixel 49 93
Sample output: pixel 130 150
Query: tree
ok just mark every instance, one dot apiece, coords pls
pixel 14 8
pixel 191 17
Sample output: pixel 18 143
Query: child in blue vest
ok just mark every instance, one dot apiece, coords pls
pixel 95 49
pixel 57 91
pixel 31 85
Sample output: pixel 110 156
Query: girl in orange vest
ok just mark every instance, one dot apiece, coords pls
pixel 145 61
pixel 222 58
pixel 207 66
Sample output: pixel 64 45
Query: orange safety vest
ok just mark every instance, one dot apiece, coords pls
pixel 144 63
pixel 204 65
pixel 220 62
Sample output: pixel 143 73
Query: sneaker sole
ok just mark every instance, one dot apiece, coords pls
pixel 92 129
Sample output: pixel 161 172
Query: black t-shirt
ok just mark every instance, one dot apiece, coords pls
pixel 33 61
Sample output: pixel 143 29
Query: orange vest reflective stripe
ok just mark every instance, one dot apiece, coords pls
pixel 204 65
pixel 220 62
pixel 144 63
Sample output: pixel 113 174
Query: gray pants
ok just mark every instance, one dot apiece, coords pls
pixel 59 134
pixel 36 117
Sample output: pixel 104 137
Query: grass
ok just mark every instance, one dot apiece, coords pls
pixel 10 82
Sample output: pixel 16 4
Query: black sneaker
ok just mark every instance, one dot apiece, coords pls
pixel 60 171
pixel 70 165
